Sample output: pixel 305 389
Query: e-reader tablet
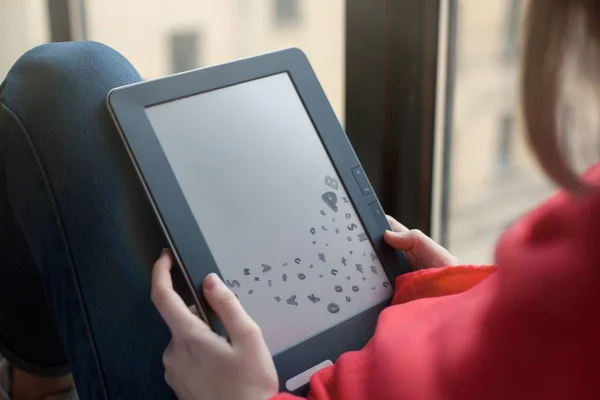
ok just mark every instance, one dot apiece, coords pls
pixel 252 177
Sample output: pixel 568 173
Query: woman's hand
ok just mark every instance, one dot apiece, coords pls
pixel 420 249
pixel 199 364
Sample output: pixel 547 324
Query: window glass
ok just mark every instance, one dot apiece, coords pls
pixel 184 48
pixel 161 37
pixel 493 178
pixel 287 12
pixel 23 25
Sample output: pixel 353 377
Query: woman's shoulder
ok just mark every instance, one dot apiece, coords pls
pixel 566 226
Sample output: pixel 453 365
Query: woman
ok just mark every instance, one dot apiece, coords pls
pixel 74 217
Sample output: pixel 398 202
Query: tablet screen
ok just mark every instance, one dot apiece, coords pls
pixel 271 207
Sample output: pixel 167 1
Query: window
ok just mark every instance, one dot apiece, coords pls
pixel 487 136
pixel 219 31
pixel 505 144
pixel 287 12
pixel 491 142
pixel 23 25
pixel 511 45
pixel 184 49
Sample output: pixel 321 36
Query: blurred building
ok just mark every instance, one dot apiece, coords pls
pixel 492 178
pixel 23 24
pixel 162 37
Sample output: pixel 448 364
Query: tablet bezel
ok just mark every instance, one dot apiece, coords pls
pixel 127 106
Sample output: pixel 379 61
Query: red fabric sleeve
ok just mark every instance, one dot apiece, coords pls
pixel 285 396
pixel 438 282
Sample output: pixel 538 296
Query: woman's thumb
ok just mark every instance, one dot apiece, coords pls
pixel 404 241
pixel 420 246
pixel 238 324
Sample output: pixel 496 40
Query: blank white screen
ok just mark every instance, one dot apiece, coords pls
pixel 254 172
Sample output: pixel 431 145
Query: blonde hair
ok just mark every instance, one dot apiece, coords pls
pixel 550 29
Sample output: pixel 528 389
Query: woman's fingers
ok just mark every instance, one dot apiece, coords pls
pixel 168 303
pixel 242 329
pixel 395 225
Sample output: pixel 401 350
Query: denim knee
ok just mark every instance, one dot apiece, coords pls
pixel 63 75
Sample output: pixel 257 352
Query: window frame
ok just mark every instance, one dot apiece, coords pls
pixel 391 97
pixel 60 20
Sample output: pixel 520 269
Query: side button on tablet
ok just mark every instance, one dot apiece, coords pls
pixel 362 181
pixel 379 214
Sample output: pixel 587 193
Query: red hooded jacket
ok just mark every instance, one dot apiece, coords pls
pixel 528 328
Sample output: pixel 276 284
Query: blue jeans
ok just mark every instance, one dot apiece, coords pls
pixel 77 234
